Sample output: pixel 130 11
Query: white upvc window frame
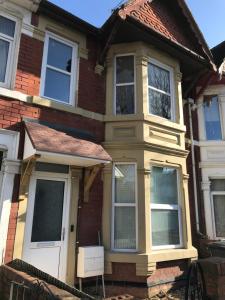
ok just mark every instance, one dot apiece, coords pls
pixel 11 61
pixel 114 205
pixel 214 193
pixel 171 207
pixel 74 68
pixel 172 92
pixel 124 84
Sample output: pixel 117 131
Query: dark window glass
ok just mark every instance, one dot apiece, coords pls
pixel 54 168
pixel 48 210
pixel 125 99
pixel 7 26
pixel 59 55
pixel 125 69
pixel 4 51
pixel 1 159
pixel 160 104
pixel 159 78
pixel 217 185
pixel 212 119
pixel 125 85
pixel 57 85
pixel 159 91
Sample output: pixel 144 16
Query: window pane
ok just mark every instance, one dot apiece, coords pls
pixel 48 209
pixel 125 228
pixel 125 99
pixel 4 50
pixel 164 186
pixel 159 78
pixel 165 228
pixel 7 26
pixel 57 86
pixel 159 104
pixel 212 120
pixel 125 69
pixel 219 213
pixel 218 185
pixel 59 55
pixel 124 184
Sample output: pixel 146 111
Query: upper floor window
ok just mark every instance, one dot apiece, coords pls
pixel 165 209
pixel 124 85
pixel 7 37
pixel 59 69
pixel 212 119
pixel 160 90
pixel 124 228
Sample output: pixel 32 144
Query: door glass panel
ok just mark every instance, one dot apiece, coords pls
pixel 53 168
pixel 219 212
pixel 48 211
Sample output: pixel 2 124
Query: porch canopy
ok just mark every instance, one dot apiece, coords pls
pixel 53 146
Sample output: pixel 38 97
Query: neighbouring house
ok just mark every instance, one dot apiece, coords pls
pixel 210 107
pixel 93 139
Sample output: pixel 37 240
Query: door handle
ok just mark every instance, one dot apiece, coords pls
pixel 63 234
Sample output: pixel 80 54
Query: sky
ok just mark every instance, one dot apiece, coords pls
pixel 209 14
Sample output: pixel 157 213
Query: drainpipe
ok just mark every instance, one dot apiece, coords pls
pixel 191 106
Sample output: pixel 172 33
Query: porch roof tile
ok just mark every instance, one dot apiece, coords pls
pixel 44 138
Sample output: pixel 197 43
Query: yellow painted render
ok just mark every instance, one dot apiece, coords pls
pixel 146 140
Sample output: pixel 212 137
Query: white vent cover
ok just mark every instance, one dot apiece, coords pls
pixel 90 262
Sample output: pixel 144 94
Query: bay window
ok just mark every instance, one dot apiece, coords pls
pixel 59 69
pixel 124 207
pixel 165 209
pixel 212 119
pixel 124 85
pixel 160 90
pixel 7 40
pixel 218 205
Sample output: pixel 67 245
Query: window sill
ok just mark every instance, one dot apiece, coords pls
pixel 146 262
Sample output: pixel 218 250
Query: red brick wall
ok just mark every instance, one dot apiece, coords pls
pixel 29 65
pixel 11 115
pixel 90 214
pixel 91 87
pixel 91 93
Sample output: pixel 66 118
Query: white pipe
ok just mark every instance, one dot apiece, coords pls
pixel 190 106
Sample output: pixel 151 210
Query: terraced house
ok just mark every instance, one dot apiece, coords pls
pixel 93 139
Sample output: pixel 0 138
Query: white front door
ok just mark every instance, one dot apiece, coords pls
pixel 46 233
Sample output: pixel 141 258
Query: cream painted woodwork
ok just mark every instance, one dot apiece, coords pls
pixel 10 166
pixel 212 161
pixel 146 140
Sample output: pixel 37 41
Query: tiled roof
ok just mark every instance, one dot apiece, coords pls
pixel 158 16
pixel 47 139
